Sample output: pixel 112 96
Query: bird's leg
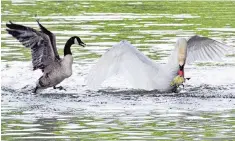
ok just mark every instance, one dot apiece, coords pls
pixel 174 90
pixel 60 88
pixel 35 89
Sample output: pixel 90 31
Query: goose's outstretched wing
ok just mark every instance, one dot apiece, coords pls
pixel 124 58
pixel 52 39
pixel 204 49
pixel 41 48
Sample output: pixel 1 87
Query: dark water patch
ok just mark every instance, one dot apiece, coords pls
pixel 202 91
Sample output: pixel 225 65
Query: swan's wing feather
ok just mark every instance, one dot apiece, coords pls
pixel 41 49
pixel 125 59
pixel 205 49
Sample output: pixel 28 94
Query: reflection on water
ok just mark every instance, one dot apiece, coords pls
pixel 117 115
pixel 205 109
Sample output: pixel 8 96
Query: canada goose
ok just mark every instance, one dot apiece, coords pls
pixel 144 73
pixel 44 53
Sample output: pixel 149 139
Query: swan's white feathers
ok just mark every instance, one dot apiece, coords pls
pixel 142 72
pixel 204 49
pixel 124 58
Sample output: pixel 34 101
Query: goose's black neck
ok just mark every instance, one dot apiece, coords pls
pixel 67 46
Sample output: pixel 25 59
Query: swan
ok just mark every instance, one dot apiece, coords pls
pixel 143 73
pixel 44 53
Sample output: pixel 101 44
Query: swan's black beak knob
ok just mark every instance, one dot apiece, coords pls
pixel 181 70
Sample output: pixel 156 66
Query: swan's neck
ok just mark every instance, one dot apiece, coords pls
pixel 173 63
pixel 177 58
pixel 67 46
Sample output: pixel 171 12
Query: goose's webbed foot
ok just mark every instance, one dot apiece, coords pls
pixel 174 90
pixel 60 88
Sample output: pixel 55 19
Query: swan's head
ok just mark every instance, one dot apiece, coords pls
pixel 78 41
pixel 181 45
pixel 181 48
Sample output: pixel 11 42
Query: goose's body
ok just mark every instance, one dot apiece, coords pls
pixel 56 72
pixel 144 73
pixel 44 53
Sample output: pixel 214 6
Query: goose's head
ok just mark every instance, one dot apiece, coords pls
pixel 70 42
pixel 181 45
pixel 77 40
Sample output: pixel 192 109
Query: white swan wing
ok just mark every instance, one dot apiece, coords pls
pixel 124 58
pixel 204 49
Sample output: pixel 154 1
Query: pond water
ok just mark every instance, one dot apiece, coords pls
pixel 204 110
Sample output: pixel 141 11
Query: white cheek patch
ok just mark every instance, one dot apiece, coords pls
pixel 75 41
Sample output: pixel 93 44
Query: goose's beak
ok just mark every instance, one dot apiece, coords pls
pixel 82 44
